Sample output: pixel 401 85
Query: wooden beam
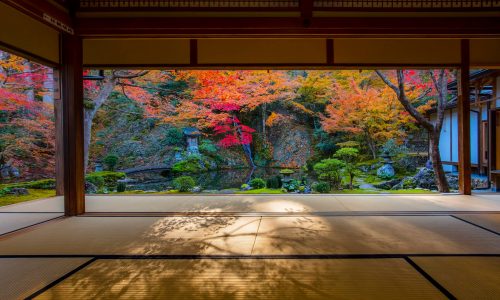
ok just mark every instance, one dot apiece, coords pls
pixel 463 106
pixel 72 89
pixel 189 27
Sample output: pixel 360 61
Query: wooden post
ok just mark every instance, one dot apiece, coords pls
pixel 72 90
pixel 464 160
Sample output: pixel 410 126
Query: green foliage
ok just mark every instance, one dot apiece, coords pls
pixel 326 143
pixel 208 147
pixel 330 170
pixel 43 184
pixel 392 148
pixel 321 187
pixel 192 164
pixel 257 183
pixel 244 186
pixel 110 161
pixel 348 144
pixel 262 191
pixel 274 182
pixel 287 171
pixel 184 183
pixel 350 157
pixel 174 137
pixel 105 179
pixel 121 187
pixel 292 185
pixel 33 194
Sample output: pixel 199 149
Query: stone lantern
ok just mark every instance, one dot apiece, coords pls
pixel 192 135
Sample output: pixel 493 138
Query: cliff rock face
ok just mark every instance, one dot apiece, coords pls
pixel 292 145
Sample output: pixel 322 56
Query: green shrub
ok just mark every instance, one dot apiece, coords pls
pixel 43 184
pixel 291 185
pixel 110 161
pixel 207 147
pixel 287 171
pixel 274 182
pixel 184 183
pixel 350 158
pixel 257 183
pixel 329 170
pixel 121 187
pixel 105 178
pixel 244 187
pixel 174 137
pixel 190 165
pixel 321 187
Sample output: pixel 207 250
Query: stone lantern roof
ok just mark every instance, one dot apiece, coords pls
pixel 191 132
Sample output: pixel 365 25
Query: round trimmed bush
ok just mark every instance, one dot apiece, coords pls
pixel 257 183
pixel 274 182
pixel 184 183
pixel 322 187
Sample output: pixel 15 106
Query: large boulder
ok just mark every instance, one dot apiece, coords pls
pixel 425 179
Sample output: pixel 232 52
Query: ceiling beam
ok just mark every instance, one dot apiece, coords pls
pixel 291 27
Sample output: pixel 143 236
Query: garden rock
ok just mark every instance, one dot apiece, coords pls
pixel 90 188
pixel 387 185
pixel 18 191
pixel 197 189
pixel 386 171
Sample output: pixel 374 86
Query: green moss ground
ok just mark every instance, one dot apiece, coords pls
pixel 33 195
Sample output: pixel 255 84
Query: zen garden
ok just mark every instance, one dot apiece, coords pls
pixel 230 131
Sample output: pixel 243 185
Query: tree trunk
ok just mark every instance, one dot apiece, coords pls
pixel 441 181
pixel 371 145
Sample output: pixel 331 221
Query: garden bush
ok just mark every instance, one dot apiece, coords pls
pixel 292 185
pixel 43 184
pixel 174 137
pixel 274 182
pixel 257 183
pixel 184 183
pixel 321 187
pixel 350 157
pixel 106 179
pixel 329 170
pixel 121 187
pixel 191 164
pixel 110 161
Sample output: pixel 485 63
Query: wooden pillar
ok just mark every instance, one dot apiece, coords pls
pixel 464 160
pixel 72 90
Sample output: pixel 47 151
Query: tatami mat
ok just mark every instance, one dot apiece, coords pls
pixel 489 221
pixel 14 221
pixel 237 235
pixel 372 235
pixel 137 235
pixel 20 277
pixel 246 279
pixel 465 277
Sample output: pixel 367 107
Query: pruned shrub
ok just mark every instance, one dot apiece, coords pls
pixel 257 183
pixel 121 187
pixel 274 182
pixel 106 179
pixel 321 187
pixel 184 183
pixel 329 170
pixel 110 161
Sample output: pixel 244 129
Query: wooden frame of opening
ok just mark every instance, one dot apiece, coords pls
pixel 306 25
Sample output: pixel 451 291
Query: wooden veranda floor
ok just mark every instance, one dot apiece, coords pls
pixel 256 247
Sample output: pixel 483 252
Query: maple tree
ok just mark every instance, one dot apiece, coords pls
pixel 27 129
pixel 410 89
pixel 367 111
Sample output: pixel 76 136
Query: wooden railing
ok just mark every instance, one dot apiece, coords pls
pixel 318 5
